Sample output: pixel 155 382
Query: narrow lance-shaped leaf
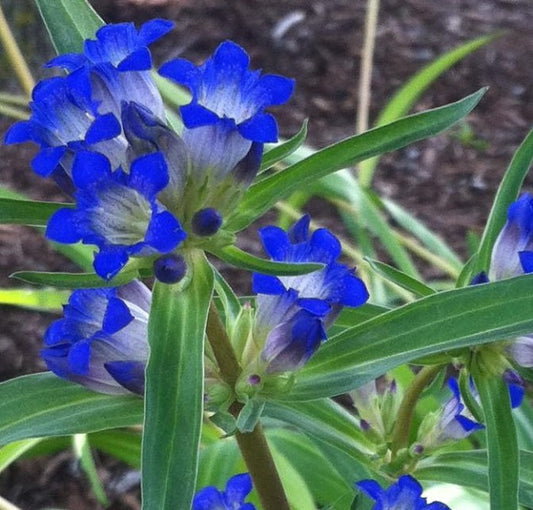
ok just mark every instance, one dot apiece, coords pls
pixel 69 23
pixel 239 258
pixel 42 405
pixel 502 442
pixel 435 324
pixel 28 212
pixel 174 387
pixel 263 195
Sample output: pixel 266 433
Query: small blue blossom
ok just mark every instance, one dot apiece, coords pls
pixel 512 254
pixel 293 312
pixel 405 494
pixel 118 212
pixel 102 340
pixel 232 498
pixel 455 421
pixel 225 121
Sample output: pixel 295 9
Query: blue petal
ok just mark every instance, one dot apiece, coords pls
pixel 260 128
pixel 370 488
pixel 47 160
pixel 526 260
pixel 104 127
pixel 467 424
pixel 299 232
pixel 516 394
pixel 139 60
pixel 88 168
pixel 237 488
pixel 19 132
pixel 63 227
pixel 79 357
pixel 154 29
pixel 149 174
pixel 109 261
pixel 195 115
pixel 265 284
pixel 316 306
pixel 275 242
pixel 355 291
pixel 208 499
pixel 181 71
pixel 68 61
pixel 129 374
pixel 117 316
pixel 279 88
pixel 325 246
pixel 164 232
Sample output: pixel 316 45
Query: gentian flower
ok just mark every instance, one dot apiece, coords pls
pixel 405 494
pixel 225 123
pixel 455 422
pixel 232 498
pixel 102 340
pixel 293 312
pixel 117 211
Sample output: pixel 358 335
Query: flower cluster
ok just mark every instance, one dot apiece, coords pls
pixel 140 189
pixel 232 498
pixel 405 494
pixel 293 312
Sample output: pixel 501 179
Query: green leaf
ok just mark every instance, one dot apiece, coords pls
pixel 28 212
pixel 83 452
pixel 507 193
pixel 428 238
pixel 11 452
pixel 250 415
pixel 435 324
pixel 41 405
pixel 218 462
pixel 502 444
pixel 238 258
pixel 174 387
pixel 326 485
pixel 282 150
pixel 124 445
pixel 350 317
pixel 43 300
pixel 403 280
pixel 404 99
pixel 263 195
pixel 230 302
pixel 469 468
pixel 69 23
pixel 74 280
pixel 325 420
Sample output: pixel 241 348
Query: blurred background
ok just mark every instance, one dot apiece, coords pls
pixel 447 181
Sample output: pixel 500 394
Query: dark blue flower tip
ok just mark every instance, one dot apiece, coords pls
pixel 232 498
pixel 405 494
pixel 206 222
pixel 516 386
pixel 480 278
pixel 129 374
pixel 224 88
pixel 170 268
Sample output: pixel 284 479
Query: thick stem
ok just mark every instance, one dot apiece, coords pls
pixel 253 445
pixel 402 428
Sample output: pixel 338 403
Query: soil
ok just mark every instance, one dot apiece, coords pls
pixel 447 181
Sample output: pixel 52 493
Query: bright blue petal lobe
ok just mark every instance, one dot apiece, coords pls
pixel 103 128
pixel 232 498
pixel 266 284
pixel 63 227
pixel 405 494
pixel 99 328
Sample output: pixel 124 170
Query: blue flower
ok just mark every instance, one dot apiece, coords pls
pixel 512 254
pixel 64 117
pixel 226 121
pixel 118 212
pixel 293 312
pixel 232 498
pixel 455 421
pixel 101 342
pixel 405 494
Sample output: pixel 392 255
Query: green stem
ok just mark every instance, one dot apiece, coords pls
pixel 15 57
pixel 253 445
pixel 402 428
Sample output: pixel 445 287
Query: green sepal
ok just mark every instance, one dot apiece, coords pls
pixel 249 415
pixel 224 421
